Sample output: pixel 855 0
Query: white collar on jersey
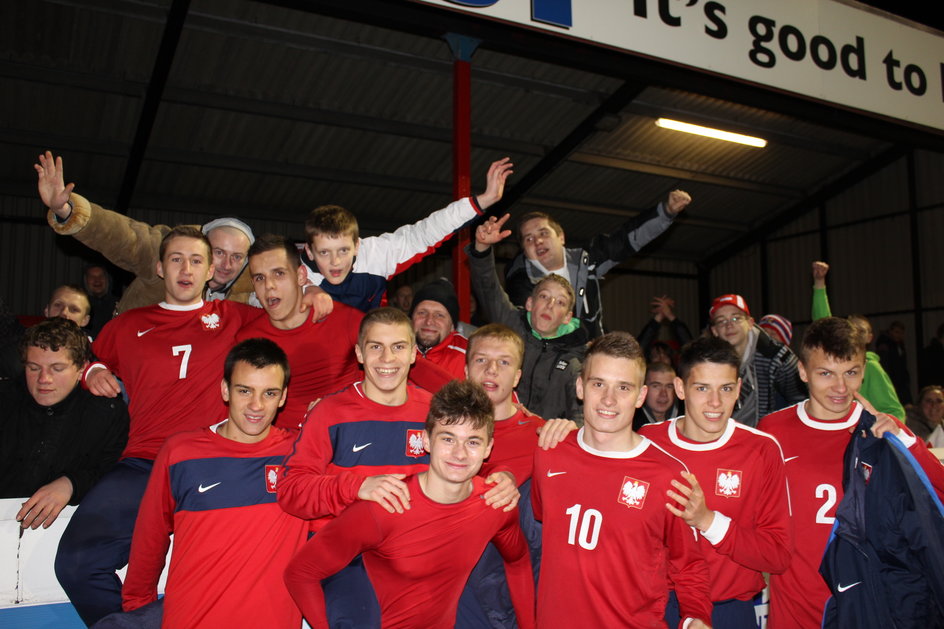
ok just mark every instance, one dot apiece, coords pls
pixel 831 426
pixel 167 306
pixel 691 446
pixel 644 444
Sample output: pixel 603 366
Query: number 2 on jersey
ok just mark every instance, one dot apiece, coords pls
pixel 829 493
pixel 185 350
pixel 590 523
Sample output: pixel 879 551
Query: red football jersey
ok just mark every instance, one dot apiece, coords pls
pixel 813 451
pixel 514 443
pixel 418 561
pixel 346 438
pixel 609 544
pixel 743 479
pixel 320 356
pixel 232 541
pixel 170 359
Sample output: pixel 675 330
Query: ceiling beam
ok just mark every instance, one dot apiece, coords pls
pixel 176 17
pixel 570 143
pixel 251 106
pixel 824 194
pixel 593 159
pixel 627 212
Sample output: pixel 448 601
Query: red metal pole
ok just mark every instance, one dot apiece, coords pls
pixel 462 49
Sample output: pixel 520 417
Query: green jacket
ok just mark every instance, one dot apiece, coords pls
pixel 877 387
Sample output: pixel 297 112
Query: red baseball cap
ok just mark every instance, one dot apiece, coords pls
pixel 728 300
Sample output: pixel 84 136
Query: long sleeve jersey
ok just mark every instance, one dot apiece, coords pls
pixel 232 541
pixel 743 479
pixel 347 438
pixel 418 561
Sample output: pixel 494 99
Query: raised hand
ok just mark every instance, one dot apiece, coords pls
pixel 495 182
pixel 678 200
pixel 52 190
pixel 661 308
pixel 820 269
pixel 490 232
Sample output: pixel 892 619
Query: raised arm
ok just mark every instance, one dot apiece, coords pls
pixel 127 243
pixel 491 297
pixel 820 299
pixel 609 250
pixel 393 252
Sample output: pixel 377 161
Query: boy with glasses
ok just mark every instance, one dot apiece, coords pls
pixel 768 368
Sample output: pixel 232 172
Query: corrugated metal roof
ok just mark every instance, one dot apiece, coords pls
pixel 270 111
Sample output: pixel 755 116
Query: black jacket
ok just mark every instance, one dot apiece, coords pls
pixel 885 558
pixel 80 438
pixel 549 372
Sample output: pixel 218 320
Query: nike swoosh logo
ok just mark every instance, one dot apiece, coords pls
pixel 551 474
pixel 843 588
pixel 790 458
pixel 357 448
pixel 202 489
pixel 140 333
pixel 523 422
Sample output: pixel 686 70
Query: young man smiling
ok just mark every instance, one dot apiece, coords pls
pixel 814 435
pixel 735 495
pixel 215 490
pixel 610 545
pixel 415 559
pixel 359 444
pixel 554 341
pixel 170 358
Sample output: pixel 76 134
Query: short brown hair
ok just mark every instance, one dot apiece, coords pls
pixel 387 315
pixel 274 242
pixel 55 334
pixel 839 338
pixel 554 278
pixel 530 216
pixel 185 231
pixel 615 345
pixel 461 402
pixel 331 220
pixel 499 332
pixel 660 367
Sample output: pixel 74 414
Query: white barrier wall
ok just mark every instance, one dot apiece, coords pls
pixel 27 575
